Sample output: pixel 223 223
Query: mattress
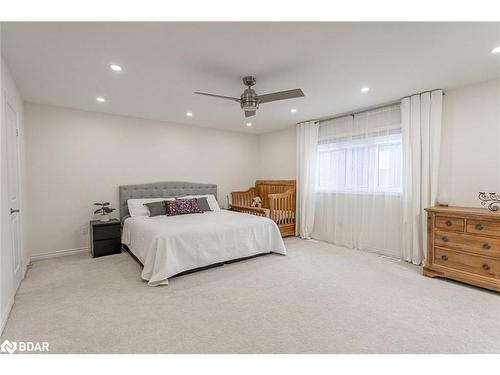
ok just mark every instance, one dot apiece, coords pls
pixel 168 245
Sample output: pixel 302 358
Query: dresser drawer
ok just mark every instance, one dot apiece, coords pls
pixel 104 232
pixel 461 241
pixel 106 247
pixel 450 223
pixel 466 262
pixel 486 227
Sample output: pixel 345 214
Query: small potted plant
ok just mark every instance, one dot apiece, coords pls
pixel 104 211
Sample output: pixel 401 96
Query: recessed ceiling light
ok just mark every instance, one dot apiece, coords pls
pixel 365 89
pixel 189 114
pixel 249 124
pixel 293 110
pixel 116 68
pixel 100 99
pixel 496 50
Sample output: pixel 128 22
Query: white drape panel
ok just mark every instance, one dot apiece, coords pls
pixel 358 199
pixel 307 153
pixel 421 127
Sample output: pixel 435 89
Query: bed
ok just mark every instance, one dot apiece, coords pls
pixel 167 246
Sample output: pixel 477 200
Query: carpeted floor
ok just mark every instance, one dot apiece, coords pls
pixel 318 299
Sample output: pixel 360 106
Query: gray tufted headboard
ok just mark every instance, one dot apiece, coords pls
pixel 168 189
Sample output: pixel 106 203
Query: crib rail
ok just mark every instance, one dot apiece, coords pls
pixel 252 210
pixel 282 207
pixel 243 198
pixel 264 188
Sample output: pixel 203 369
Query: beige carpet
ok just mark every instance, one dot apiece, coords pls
pixel 318 299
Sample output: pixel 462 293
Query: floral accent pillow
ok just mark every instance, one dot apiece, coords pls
pixel 182 207
pixel 171 208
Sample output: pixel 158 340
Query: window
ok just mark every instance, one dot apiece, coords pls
pixel 365 163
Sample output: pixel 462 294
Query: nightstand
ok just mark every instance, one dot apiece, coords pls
pixel 105 237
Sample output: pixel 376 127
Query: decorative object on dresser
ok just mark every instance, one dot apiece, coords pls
pixel 443 199
pixel 105 237
pixel 464 245
pixel 104 211
pixel 277 203
pixel 491 199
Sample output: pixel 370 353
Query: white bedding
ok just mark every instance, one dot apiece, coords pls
pixel 168 245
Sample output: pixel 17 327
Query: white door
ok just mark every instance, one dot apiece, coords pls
pixel 12 148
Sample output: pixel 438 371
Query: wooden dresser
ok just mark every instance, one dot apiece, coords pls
pixel 464 245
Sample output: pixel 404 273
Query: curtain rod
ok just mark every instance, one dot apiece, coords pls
pixel 373 107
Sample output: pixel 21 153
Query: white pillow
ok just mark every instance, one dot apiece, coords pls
pixel 136 207
pixel 212 202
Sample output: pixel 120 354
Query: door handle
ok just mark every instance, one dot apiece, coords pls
pixel 13 211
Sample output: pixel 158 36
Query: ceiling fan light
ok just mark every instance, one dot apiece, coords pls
pixel 249 107
pixel 115 67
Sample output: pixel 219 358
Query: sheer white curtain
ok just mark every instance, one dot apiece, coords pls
pixel 307 154
pixel 421 125
pixel 359 182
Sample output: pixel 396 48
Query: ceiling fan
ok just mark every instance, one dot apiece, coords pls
pixel 250 101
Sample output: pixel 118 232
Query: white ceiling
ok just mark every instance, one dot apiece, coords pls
pixel 66 64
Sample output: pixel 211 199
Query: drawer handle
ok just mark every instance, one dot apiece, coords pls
pixel 444 238
pixel 444 257
pixel 486 246
pixel 478 226
pixel 449 223
pixel 486 267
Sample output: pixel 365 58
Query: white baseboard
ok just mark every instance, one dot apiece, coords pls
pixel 5 314
pixel 58 253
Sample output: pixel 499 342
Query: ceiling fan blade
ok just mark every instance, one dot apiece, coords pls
pixel 288 94
pixel 218 96
pixel 250 113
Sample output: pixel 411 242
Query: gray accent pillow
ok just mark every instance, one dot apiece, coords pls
pixel 203 204
pixel 156 208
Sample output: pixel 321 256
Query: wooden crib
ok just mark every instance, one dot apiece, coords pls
pixel 278 203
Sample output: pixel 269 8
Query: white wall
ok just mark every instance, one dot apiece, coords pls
pixel 8 281
pixel 470 147
pixel 278 153
pixel 75 158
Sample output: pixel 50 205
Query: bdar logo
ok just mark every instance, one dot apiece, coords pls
pixel 24 346
pixel 8 347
